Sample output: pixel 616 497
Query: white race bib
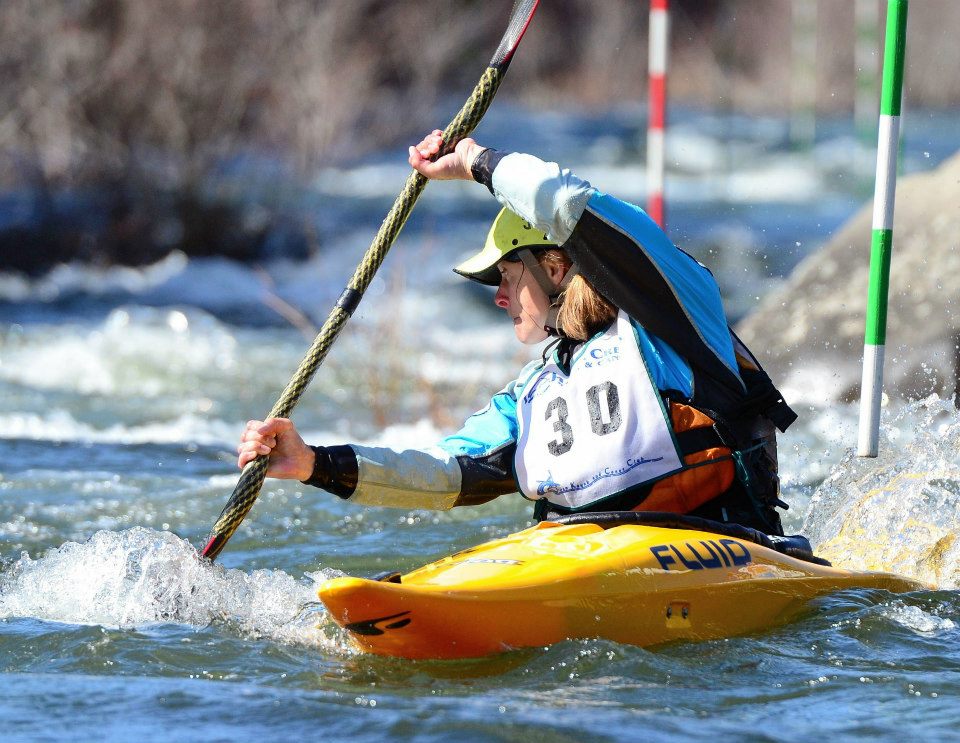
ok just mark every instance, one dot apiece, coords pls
pixel 596 432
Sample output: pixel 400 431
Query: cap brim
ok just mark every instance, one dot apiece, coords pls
pixel 482 267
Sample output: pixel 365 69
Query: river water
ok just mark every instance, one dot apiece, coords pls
pixel 122 393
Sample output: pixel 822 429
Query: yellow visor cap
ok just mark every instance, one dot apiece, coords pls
pixel 508 234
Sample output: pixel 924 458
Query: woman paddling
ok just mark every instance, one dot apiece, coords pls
pixel 645 401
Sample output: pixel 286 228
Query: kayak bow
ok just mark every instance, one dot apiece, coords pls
pixel 631 583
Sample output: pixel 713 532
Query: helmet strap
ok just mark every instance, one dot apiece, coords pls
pixel 536 270
pixel 553 291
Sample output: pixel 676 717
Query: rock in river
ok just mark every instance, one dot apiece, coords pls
pixel 809 333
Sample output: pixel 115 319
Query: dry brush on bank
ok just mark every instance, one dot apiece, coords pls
pixel 152 116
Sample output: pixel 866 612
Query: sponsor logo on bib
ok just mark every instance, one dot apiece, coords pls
pixel 549 486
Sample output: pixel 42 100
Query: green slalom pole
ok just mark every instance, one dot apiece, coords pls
pixel 874 344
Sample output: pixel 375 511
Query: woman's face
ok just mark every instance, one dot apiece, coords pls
pixel 523 299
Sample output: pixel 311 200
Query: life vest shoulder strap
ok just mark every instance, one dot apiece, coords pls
pixel 764 399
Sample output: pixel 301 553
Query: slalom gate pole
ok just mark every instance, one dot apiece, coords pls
pixel 874 344
pixel 659 44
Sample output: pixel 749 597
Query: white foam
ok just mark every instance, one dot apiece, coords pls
pixel 77 278
pixel 59 425
pixel 137 351
pixel 141 577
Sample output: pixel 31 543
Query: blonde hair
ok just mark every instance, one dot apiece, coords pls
pixel 584 312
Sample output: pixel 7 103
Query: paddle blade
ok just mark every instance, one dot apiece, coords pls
pixel 238 506
pixel 520 17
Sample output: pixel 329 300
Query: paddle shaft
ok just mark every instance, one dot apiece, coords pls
pixel 251 480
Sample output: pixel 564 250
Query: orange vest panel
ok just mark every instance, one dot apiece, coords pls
pixel 706 474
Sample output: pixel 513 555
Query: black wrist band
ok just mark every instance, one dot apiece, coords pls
pixel 320 477
pixel 484 164
pixel 335 469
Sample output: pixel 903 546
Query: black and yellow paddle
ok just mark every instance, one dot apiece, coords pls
pixel 251 480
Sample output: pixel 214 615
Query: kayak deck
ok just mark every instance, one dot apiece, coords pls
pixel 635 584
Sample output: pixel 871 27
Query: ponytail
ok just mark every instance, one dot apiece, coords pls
pixel 584 312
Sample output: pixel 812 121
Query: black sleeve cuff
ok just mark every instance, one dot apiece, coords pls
pixel 484 164
pixel 485 478
pixel 335 470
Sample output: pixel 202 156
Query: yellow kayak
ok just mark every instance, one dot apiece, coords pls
pixel 631 582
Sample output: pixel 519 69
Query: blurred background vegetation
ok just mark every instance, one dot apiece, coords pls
pixel 127 125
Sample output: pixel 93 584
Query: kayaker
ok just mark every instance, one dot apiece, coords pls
pixel 646 400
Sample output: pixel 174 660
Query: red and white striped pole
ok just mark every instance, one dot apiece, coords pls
pixel 657 115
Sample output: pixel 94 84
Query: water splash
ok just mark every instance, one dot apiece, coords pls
pixel 899 512
pixel 141 576
pixel 916 619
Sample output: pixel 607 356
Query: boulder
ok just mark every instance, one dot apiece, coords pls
pixel 809 332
